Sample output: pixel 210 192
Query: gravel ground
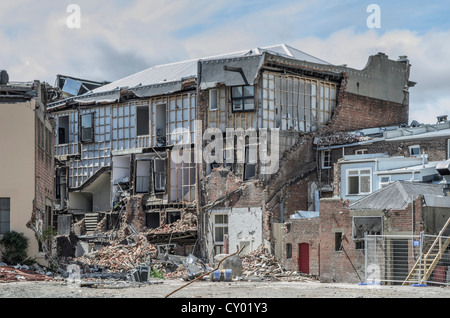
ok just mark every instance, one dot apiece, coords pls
pixel 207 289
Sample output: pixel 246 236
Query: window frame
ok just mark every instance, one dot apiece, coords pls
pixel 83 140
pixel 414 147
pixel 212 92
pixel 323 161
pixel 9 215
pixel 242 98
pixel 223 225
pixel 359 180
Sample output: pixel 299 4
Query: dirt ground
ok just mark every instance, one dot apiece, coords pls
pixel 207 289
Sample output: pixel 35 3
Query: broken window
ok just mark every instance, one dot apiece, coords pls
pixel 250 160
pixel 414 150
pixel 359 181
pixel 182 176
pixel 142 176
pixel 159 175
pixel 172 216
pixel 326 159
pixel 362 225
pixel 243 98
pixel 153 220
pixel 142 121
pixel 288 250
pixel 213 100
pixel 87 127
pixel 63 130
pixel 338 241
pixel 4 215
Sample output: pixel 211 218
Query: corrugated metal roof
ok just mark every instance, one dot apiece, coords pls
pixel 396 196
pixel 172 72
pixel 168 77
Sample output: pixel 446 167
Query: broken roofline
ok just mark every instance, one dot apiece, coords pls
pixel 205 70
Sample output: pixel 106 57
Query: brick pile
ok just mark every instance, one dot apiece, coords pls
pixel 9 273
pixel 120 257
pixel 261 264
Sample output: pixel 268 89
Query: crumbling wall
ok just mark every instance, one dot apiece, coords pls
pixel 354 111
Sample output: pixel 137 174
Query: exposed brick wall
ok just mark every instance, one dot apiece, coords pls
pixel 44 168
pixel 344 265
pixel 356 112
pixel 302 231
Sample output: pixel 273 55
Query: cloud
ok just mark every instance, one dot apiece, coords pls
pixel 118 38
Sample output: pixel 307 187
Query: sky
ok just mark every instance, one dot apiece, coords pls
pixel 108 40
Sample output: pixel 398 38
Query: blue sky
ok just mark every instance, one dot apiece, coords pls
pixel 117 38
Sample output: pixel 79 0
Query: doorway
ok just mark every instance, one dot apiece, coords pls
pixel 303 258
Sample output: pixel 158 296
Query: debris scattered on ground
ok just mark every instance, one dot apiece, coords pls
pixel 262 265
pixel 20 273
pixel 119 257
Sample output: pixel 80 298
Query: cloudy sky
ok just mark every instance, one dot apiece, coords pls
pixel 117 38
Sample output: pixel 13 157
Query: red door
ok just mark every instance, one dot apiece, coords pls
pixel 303 258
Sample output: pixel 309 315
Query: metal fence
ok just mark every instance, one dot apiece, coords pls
pixel 407 259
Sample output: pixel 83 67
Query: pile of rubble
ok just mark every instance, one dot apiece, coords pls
pixel 21 273
pixel 185 224
pixel 263 265
pixel 119 257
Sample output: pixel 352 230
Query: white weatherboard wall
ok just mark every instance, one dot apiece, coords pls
pixel 245 226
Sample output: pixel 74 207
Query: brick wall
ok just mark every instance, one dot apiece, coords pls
pixel 298 232
pixel 343 265
pixel 355 112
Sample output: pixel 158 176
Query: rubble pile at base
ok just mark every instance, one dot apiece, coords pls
pixel 119 257
pixel 261 264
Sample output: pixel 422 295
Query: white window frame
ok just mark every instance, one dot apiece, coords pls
pixel 361 152
pixel 213 99
pixel 324 166
pixel 382 184
pixel 413 147
pixel 359 175
pixel 219 225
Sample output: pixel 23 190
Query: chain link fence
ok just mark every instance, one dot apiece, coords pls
pixel 407 259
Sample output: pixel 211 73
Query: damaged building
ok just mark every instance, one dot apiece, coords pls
pixel 213 154
pixel 26 158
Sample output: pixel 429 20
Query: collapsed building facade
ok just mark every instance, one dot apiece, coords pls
pixel 213 154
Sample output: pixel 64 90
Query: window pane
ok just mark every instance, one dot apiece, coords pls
pixel 365 184
pixel 365 171
pixel 236 92
pixel 4 204
pixel 237 105
pixel 353 172
pixel 218 235
pixel 353 185
pixel 86 120
pixel 249 104
pixel 248 91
